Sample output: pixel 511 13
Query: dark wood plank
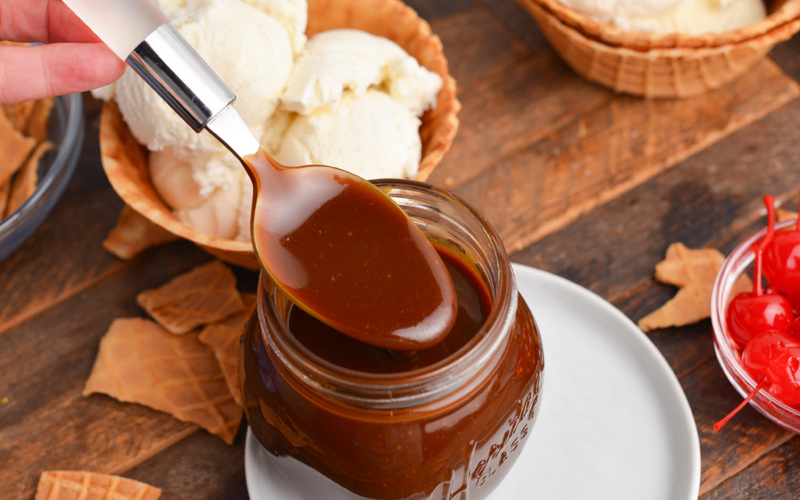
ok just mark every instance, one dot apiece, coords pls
pixel 787 56
pixel 435 10
pixel 532 190
pixel 201 466
pixel 519 22
pixel 476 45
pixel 614 248
pixel 773 477
pixel 509 110
pixel 46 423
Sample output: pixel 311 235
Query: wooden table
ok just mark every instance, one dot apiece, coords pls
pixel 579 182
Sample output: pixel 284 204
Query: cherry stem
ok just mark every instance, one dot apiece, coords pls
pixel 736 410
pixel 769 202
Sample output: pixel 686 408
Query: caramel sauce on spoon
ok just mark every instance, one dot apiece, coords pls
pixel 349 256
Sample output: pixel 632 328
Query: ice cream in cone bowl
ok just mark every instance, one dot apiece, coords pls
pixel 404 108
pixel 685 49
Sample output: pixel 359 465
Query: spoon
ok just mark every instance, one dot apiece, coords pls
pixel 338 246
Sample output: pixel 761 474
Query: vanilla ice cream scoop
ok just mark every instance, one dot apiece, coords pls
pixel 339 60
pixel 690 17
pixel 369 134
pixel 203 189
pixel 248 49
pixel 292 14
pixel 217 215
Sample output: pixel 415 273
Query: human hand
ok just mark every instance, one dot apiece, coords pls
pixel 73 59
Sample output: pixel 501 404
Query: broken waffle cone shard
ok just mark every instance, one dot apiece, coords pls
pixel 133 234
pixel 125 161
pixel 14 146
pixel 660 70
pixel 80 485
pixel 18 113
pixel 682 266
pixel 139 362
pixel 27 179
pixel 37 124
pixel 782 215
pixel 204 295
pixel 223 338
pixel 694 272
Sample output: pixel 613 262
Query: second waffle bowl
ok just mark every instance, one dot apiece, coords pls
pixel 667 66
pixel 125 160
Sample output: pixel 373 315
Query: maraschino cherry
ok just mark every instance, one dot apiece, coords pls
pixel 782 262
pixel 752 313
pixel 772 358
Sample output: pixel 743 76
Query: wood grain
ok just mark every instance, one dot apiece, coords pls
pixel 476 45
pixel 773 477
pixel 715 193
pixel 609 150
pixel 433 10
pixel 200 466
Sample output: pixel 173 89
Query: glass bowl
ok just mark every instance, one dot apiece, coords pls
pixel 740 261
pixel 56 169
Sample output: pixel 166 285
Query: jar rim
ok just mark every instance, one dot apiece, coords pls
pixel 410 388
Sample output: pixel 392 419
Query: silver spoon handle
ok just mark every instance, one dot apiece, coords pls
pixel 180 76
pixel 137 31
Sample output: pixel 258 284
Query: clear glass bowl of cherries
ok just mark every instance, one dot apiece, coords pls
pixel 757 333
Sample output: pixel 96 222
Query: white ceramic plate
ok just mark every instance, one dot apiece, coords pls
pixel 614 422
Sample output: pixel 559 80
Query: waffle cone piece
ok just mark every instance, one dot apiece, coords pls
pixel 666 66
pixel 223 338
pixel 125 161
pixel 140 362
pixel 69 485
pixel 204 295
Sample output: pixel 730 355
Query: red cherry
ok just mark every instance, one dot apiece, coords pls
pixel 782 262
pixel 772 358
pixel 794 329
pixel 751 313
pixel 775 357
pixel 795 301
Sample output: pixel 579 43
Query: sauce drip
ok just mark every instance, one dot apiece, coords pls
pixel 474 305
pixel 349 256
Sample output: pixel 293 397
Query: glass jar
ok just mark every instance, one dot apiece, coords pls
pixel 451 430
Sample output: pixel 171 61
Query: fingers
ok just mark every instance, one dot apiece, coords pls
pixel 45 21
pixel 57 69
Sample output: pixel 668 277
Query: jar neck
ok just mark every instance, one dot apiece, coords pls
pixel 448 221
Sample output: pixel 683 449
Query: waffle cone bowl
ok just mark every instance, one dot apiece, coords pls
pixel 126 161
pixel 665 66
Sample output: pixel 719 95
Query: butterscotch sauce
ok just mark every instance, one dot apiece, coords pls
pixel 474 305
pixel 349 256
